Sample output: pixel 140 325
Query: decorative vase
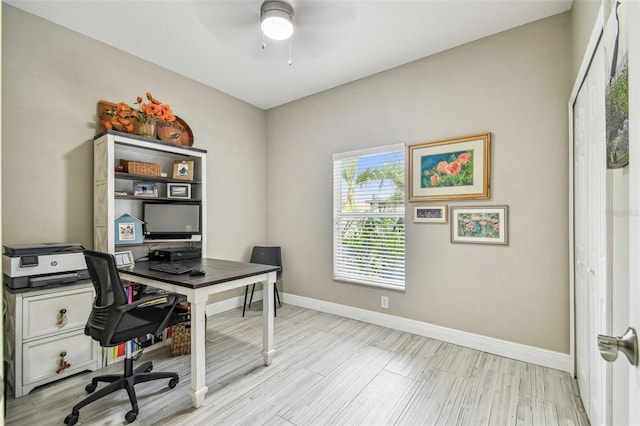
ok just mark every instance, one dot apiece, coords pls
pixel 147 129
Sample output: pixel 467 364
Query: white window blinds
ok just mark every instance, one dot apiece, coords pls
pixel 368 216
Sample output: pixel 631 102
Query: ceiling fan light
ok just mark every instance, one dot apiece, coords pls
pixel 276 20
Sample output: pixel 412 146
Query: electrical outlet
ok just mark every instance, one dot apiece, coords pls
pixel 384 302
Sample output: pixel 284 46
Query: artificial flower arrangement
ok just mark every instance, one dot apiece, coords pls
pixel 147 114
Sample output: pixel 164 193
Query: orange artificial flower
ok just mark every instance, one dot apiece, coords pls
pixel 152 110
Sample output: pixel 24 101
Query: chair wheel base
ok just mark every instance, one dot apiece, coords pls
pixel 91 387
pixel 71 419
pixel 130 417
pixel 173 383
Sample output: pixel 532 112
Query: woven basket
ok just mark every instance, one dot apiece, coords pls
pixel 181 339
pixel 140 168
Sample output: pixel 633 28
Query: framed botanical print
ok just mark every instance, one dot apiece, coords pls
pixel 451 169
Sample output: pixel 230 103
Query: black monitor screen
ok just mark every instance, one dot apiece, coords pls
pixel 171 220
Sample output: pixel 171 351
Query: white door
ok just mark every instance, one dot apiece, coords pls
pixel 607 283
pixel 633 372
pixel 581 227
pixel 621 42
pixel 590 230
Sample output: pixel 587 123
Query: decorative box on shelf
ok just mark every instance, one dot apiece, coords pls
pixel 141 168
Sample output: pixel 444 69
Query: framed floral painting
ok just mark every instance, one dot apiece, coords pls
pixel 451 169
pixel 481 225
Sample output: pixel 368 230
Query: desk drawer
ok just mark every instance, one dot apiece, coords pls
pixel 41 358
pixel 41 313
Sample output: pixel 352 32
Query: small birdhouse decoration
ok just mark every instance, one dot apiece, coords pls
pixel 128 230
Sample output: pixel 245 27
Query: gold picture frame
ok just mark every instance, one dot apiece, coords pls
pixel 451 169
pixel 183 170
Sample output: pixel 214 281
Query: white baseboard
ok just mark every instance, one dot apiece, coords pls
pixel 531 354
pixel 231 303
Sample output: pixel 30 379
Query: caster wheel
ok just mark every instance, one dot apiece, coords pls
pixel 71 419
pixel 131 416
pixel 149 369
pixel 91 387
pixel 173 383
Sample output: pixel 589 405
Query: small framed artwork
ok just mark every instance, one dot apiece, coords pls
pixel 126 231
pixel 124 259
pixel 145 189
pixel 430 214
pixel 452 169
pixel 480 225
pixel 179 190
pixel 183 170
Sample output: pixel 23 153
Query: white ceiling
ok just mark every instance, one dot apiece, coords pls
pixel 218 43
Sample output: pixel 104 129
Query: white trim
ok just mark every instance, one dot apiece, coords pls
pixel 531 354
pixel 518 351
pixel 369 151
pixel 231 303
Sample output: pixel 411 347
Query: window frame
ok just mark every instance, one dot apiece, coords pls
pixel 338 270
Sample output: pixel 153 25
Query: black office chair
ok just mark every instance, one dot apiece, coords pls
pixel 265 256
pixel 114 321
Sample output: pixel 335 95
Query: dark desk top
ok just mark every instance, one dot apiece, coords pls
pixel 216 272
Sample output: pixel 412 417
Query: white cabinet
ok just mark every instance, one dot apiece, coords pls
pixel 114 191
pixel 44 336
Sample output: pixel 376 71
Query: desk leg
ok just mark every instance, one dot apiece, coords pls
pixel 198 360
pixel 267 318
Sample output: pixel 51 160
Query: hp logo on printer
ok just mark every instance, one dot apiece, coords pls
pixel 54 263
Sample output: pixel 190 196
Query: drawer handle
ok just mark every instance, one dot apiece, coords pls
pixel 62 318
pixel 63 365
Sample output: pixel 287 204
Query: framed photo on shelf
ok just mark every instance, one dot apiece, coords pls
pixel 145 189
pixel 430 214
pixel 480 225
pixel 451 169
pixel 124 258
pixel 183 170
pixel 179 190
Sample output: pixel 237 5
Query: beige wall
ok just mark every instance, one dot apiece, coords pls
pixel 52 79
pixel 516 86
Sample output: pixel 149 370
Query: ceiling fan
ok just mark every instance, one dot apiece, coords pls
pixel 318 26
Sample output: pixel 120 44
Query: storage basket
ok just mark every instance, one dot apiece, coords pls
pixel 181 339
pixel 140 168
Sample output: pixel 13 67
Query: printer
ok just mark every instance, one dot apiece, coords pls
pixel 39 265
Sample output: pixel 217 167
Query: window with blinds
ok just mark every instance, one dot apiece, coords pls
pixel 368 216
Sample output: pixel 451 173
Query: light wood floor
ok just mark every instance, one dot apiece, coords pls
pixel 328 370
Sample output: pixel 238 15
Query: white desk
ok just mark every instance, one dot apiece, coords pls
pixel 221 275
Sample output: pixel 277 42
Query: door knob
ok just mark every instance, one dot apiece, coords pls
pixel 609 346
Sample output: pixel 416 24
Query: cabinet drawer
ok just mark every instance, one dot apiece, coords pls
pixel 41 358
pixel 41 313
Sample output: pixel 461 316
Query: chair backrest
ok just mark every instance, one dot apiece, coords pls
pixel 109 295
pixel 268 256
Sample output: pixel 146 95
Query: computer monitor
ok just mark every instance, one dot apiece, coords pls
pixel 171 220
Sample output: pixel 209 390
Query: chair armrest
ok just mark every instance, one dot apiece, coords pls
pixel 155 300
